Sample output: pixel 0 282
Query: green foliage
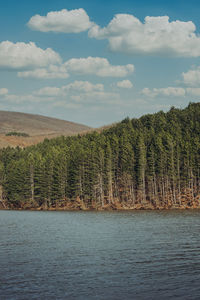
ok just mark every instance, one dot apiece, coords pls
pixel 136 160
pixel 15 133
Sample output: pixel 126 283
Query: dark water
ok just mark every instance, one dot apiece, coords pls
pixel 100 255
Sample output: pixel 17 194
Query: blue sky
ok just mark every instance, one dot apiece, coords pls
pixel 96 62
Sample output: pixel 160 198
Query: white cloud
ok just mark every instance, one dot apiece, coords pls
pixel 76 98
pixel 3 91
pixel 78 92
pixel 98 97
pixel 172 91
pixel 25 98
pixel 50 91
pixel 193 91
pixel 68 105
pixel 125 84
pixel 127 34
pixel 67 21
pixel 148 92
pixel 22 55
pixel 82 66
pixel 192 77
pixel 84 86
pixel 97 66
pixel 76 86
pixel 51 72
pixel 169 91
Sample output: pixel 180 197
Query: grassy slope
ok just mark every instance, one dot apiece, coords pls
pixel 38 127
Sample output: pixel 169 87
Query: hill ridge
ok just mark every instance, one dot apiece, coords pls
pixel 37 126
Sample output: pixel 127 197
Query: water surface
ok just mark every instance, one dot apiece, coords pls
pixel 100 255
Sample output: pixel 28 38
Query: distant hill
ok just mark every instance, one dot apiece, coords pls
pixel 37 128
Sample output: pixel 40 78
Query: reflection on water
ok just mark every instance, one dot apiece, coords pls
pixel 100 255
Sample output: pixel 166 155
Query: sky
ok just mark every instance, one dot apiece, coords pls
pixel 97 62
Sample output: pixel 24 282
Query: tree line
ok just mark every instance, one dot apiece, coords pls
pixel 15 133
pixel 150 162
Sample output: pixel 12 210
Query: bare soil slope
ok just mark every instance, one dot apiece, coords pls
pixel 36 126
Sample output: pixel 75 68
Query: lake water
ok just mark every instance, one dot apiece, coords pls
pixel 100 255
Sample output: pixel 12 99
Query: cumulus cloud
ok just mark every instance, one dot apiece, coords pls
pixel 76 86
pixel 98 97
pixel 156 36
pixel 76 98
pixel 81 66
pixel 84 86
pixel 192 77
pixel 49 91
pixel 22 55
pixel 97 66
pixel 51 72
pixel 67 105
pixel 125 84
pixel 169 91
pixel 67 21
pixel 3 91
pixel 25 98
pixel 193 91
pixel 79 92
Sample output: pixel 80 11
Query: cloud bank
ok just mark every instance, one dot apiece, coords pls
pixel 97 66
pixel 51 72
pixel 126 33
pixel 78 92
pixel 168 91
pixel 76 86
pixel 171 92
pixel 156 36
pixel 79 66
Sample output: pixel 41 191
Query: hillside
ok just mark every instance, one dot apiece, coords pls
pixel 36 126
pixel 148 163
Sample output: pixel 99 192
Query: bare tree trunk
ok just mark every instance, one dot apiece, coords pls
pixel 32 182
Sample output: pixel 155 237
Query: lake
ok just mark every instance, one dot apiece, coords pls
pixel 100 255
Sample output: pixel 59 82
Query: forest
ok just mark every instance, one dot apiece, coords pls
pixel 148 163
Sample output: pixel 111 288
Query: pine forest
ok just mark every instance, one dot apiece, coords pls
pixel 148 163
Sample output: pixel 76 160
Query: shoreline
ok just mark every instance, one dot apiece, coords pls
pixel 104 209
pixel 184 201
